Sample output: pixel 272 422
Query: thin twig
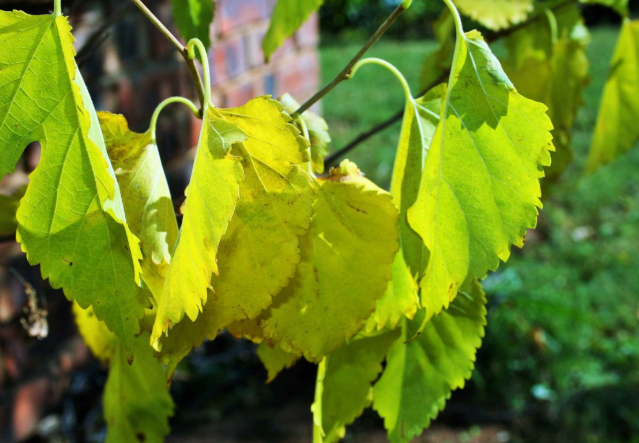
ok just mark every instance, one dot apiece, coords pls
pixel 98 37
pixel 179 46
pixel 332 159
pixel 344 75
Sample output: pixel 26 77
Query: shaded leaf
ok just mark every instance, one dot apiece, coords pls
pixel 275 360
pixel 438 62
pixel 137 403
pixel 288 16
pixel 145 194
pixel 8 207
pixel 480 187
pixel 621 6
pixel 345 267
pixel 260 252
pixel 617 131
pixel 193 19
pixel 346 383
pixel 496 14
pixel 210 203
pixel 317 131
pixel 420 375
pixel 71 220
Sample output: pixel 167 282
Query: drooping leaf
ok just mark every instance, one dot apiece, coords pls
pixel 260 252
pixel 193 19
pixel 210 203
pixel 137 403
pixel 288 16
pixel 621 6
pixel 347 383
pixel 496 14
pixel 480 187
pixel 345 268
pixel 275 360
pixel 96 335
pixel 71 220
pixel 552 70
pixel 317 132
pixel 421 374
pixel 145 194
pixel 8 207
pixel 617 131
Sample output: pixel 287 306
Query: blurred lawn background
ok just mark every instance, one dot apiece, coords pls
pixel 561 355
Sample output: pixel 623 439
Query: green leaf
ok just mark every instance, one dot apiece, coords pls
pixel 210 203
pixel 620 6
pixel 552 69
pixel 421 374
pixel 137 403
pixel 71 220
pixel 146 196
pixel 496 14
pixel 193 19
pixel 345 268
pixel 317 131
pixel 260 252
pixel 617 131
pixel 8 207
pixel 480 187
pixel 275 360
pixel 346 383
pixel 288 16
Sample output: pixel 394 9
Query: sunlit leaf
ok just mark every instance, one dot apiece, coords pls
pixel 260 252
pixel 210 203
pixel 496 14
pixel 193 19
pixel 146 196
pixel 617 130
pixel 317 132
pixel 480 187
pixel 96 335
pixel 421 374
pixel 288 16
pixel 347 383
pixel 71 220
pixel 137 403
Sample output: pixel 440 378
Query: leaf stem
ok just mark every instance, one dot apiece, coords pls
pixel 302 123
pixel 344 74
pixel 318 431
pixel 552 23
pixel 164 104
pixel 204 59
pixel 57 8
pixel 179 46
pixel 390 67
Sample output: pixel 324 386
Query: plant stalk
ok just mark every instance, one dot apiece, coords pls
pixel 164 104
pixel 181 49
pixel 345 74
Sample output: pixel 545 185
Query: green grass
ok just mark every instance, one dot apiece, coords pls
pixel 566 307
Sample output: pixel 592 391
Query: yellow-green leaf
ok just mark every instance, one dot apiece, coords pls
pixel 96 335
pixel 617 131
pixel 288 16
pixel 346 383
pixel 345 267
pixel 480 188
pixel 317 132
pixel 496 14
pixel 146 196
pixel 260 252
pixel 137 403
pixel 71 220
pixel 421 374
pixel 210 203
pixel 275 360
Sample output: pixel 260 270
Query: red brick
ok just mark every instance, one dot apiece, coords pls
pixel 308 34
